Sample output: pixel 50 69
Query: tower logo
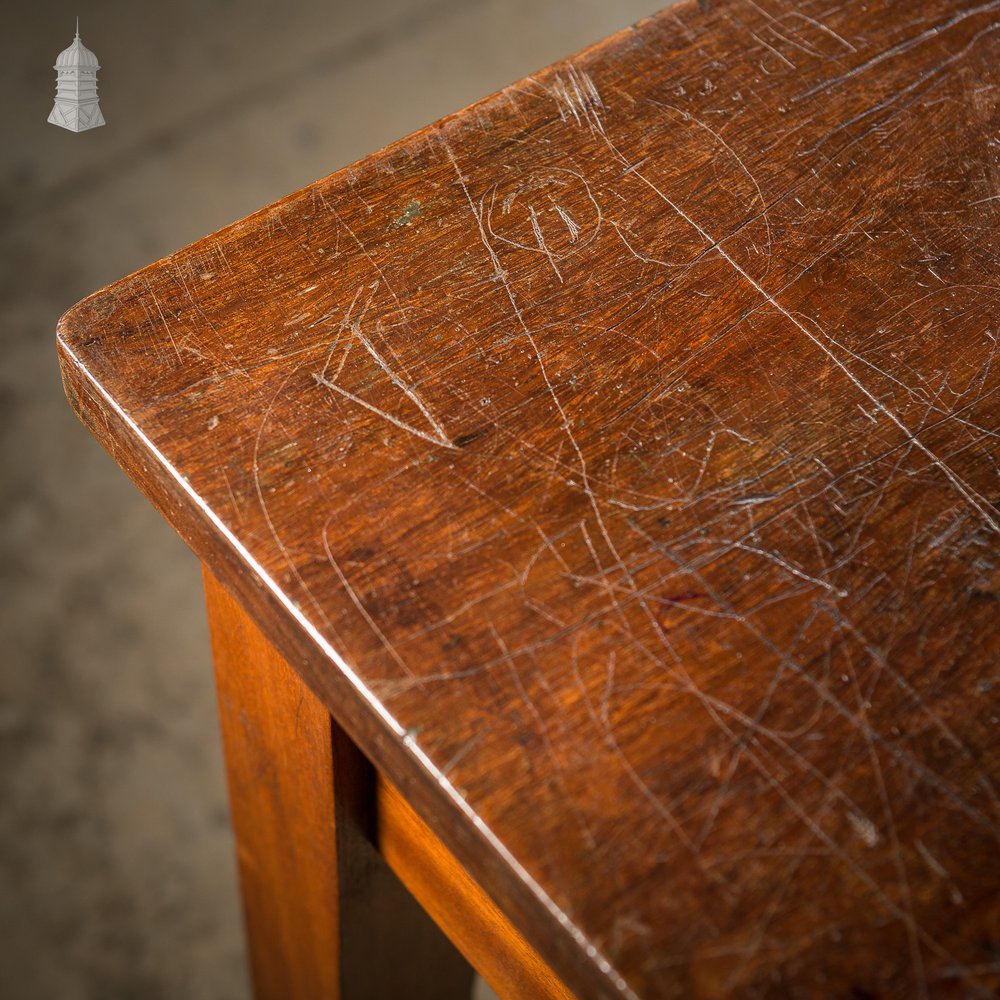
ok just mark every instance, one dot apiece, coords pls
pixel 76 106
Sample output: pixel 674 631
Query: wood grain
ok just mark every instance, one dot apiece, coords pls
pixel 496 949
pixel 617 461
pixel 326 920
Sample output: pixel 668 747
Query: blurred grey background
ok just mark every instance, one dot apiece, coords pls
pixel 117 874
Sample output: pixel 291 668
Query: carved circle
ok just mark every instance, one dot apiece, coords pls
pixel 548 210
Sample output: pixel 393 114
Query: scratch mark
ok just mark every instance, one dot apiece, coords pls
pixel 357 602
pixel 866 830
pixel 939 870
pixel 543 730
pixel 255 467
pixel 772 49
pixel 540 240
pixel 407 390
pixel 401 424
pixel 686 116
pixel 971 496
pixel 461 752
pixel 824 28
pixel 574 229
pixel 898 49
pixel 166 325
pixel 647 793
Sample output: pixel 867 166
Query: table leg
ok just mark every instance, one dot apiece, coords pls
pixel 325 918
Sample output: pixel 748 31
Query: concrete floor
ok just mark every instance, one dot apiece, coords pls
pixel 116 860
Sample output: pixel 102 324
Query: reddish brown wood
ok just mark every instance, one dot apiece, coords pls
pixel 325 918
pixel 280 766
pixel 617 460
pixel 494 947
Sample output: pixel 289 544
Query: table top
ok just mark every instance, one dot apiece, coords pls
pixel 617 458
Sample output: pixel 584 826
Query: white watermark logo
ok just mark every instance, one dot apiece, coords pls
pixel 76 106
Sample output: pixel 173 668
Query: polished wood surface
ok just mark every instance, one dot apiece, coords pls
pixel 326 920
pixel 617 461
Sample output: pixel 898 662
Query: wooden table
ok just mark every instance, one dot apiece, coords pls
pixel 616 462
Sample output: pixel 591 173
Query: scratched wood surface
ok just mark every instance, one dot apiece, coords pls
pixel 617 459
